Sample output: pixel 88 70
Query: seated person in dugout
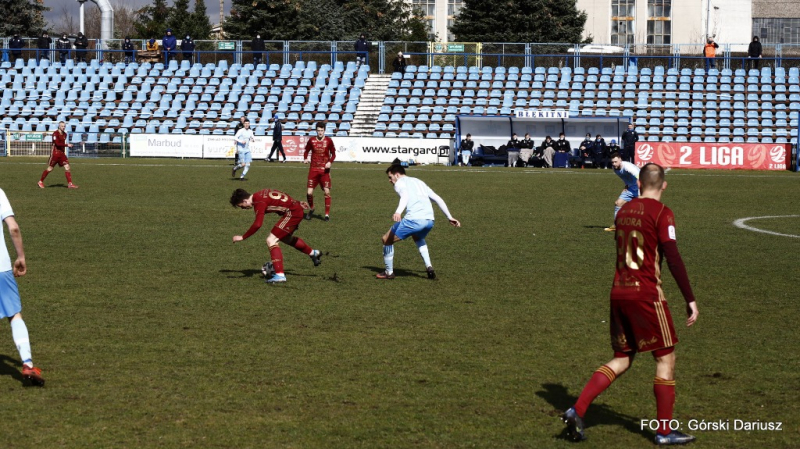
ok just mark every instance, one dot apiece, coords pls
pixel 526 149
pixel 513 146
pixel 543 157
pixel 562 145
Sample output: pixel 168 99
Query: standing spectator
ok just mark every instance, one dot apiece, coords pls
pixel 546 150
pixel 629 139
pixel 466 147
pixel 613 148
pixel 152 45
pixel 561 145
pixel 187 47
pixel 710 53
pixel 169 43
pixel 129 49
pixel 10 303
pixel 399 63
pixel 277 139
pixel 64 46
pixel 362 48
pixel 600 152
pixel 258 49
pixel 43 46
pixel 754 51
pixel 526 149
pixel 16 44
pixel 512 147
pixel 81 44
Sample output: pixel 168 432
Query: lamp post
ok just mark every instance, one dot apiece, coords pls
pixel 82 2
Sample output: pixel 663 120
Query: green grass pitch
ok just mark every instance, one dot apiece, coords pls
pixel 154 330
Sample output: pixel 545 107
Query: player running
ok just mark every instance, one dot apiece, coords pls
pixel 640 319
pixel 629 173
pixel 415 198
pixel 323 153
pixel 10 304
pixel 242 139
pixel 58 156
pixel 291 212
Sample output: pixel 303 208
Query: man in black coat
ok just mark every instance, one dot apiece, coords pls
pixel 64 46
pixel 129 49
pixel 754 51
pixel 16 44
pixel 81 44
pixel 257 45
pixel 361 47
pixel 43 46
pixel 277 139
pixel 629 139
pixel 561 145
pixel 187 48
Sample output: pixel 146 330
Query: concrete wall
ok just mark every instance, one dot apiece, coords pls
pixel 773 9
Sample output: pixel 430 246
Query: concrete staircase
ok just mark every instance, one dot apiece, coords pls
pixel 369 106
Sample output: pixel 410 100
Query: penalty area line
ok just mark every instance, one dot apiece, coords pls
pixel 740 223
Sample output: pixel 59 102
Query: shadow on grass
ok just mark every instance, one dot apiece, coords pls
pixel 10 367
pixel 397 273
pixel 248 273
pixel 595 226
pixel 597 414
pixel 48 186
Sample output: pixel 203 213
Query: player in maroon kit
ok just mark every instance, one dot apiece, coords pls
pixel 59 156
pixel 291 213
pixel 323 153
pixel 640 319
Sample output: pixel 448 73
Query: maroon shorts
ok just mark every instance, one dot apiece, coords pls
pixel 59 158
pixel 288 223
pixel 317 176
pixel 641 326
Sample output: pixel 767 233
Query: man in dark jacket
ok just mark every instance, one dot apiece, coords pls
pixel 187 47
pixel 129 49
pixel 754 51
pixel 43 44
pixel 561 145
pixel 64 46
pixel 399 63
pixel 258 48
pixel 362 47
pixel 81 44
pixel 513 146
pixel 168 45
pixel 600 152
pixel 277 139
pixel 629 139
pixel 16 44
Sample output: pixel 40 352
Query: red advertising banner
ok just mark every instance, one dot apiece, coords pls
pixel 726 156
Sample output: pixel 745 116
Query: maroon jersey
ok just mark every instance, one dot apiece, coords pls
pixel 270 201
pixel 644 225
pixel 59 140
pixel 322 152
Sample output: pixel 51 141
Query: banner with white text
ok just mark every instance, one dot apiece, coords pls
pixel 730 156
pixel 166 145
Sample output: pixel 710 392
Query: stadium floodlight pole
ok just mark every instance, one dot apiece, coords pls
pixel 83 3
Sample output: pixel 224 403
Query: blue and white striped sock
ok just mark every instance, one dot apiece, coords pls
pixel 20 334
pixel 388 258
pixel 246 169
pixel 422 246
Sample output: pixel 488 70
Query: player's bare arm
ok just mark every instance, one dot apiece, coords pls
pixel 692 312
pixel 20 267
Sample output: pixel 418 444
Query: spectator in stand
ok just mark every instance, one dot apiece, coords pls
pixel 43 46
pixel 277 140
pixel 257 45
pixel 466 148
pixel 512 147
pixel 187 47
pixel 362 48
pixel 526 149
pixel 64 46
pixel 562 146
pixel 152 45
pixel 399 63
pixel 81 44
pixel 754 51
pixel 629 139
pixel 546 151
pixel 16 44
pixel 710 53
pixel 584 155
pixel 600 152
pixel 129 49
pixel 168 45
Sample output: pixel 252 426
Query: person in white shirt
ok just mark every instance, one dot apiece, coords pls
pixel 415 199
pixel 629 173
pixel 242 139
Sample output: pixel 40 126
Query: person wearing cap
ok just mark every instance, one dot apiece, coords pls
pixel 612 148
pixel 168 44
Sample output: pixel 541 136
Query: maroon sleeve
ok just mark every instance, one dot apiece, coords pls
pixel 331 150
pixel 259 208
pixel 678 269
pixel 309 146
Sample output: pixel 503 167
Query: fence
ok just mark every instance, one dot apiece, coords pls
pixel 31 143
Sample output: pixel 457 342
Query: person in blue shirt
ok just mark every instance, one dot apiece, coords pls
pixel 168 45
pixel 629 174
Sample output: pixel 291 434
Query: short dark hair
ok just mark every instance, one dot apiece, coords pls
pixel 395 169
pixel 469 135
pixel 319 125
pixel 238 196
pixel 615 154
pixel 561 134
pixel 651 176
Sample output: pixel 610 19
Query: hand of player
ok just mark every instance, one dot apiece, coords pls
pixel 237 238
pixel 328 166
pixel 397 217
pixel 455 222
pixel 70 145
pixel 306 161
pixel 692 312
pixel 20 268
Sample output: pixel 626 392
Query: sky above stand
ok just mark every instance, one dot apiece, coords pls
pixel 53 16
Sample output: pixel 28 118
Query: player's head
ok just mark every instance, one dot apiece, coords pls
pixel 630 126
pixel 394 172
pixel 246 123
pixel 651 177
pixel 588 136
pixel 62 126
pixel 320 127
pixel 240 198
pixel 616 160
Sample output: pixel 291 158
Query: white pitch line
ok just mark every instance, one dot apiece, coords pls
pixel 740 224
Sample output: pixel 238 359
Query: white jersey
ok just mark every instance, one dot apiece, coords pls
pixel 242 138
pixel 415 198
pixel 629 174
pixel 5 212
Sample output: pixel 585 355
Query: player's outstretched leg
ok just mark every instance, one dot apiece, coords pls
pixel 388 261
pixel 70 185
pixel 422 246
pixel 300 245
pixel 277 264
pixel 574 425
pixel 246 169
pixel 19 332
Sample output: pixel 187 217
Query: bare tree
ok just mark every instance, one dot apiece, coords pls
pixel 92 21
pixel 67 23
pixel 124 18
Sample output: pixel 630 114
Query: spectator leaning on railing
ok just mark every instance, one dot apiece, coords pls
pixel 81 44
pixel 16 44
pixel 169 43
pixel 129 49
pixel 43 45
pixel 754 51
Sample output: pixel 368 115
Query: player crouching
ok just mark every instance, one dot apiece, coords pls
pixel 291 213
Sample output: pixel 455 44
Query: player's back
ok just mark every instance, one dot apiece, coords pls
pixel 642 224
pixel 273 201
pixel 629 173
pixel 419 205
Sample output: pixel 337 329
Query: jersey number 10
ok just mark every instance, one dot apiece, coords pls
pixel 630 249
